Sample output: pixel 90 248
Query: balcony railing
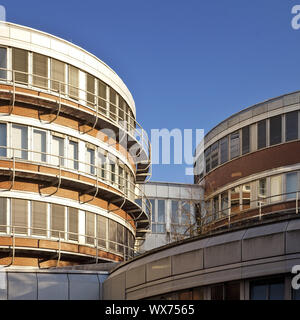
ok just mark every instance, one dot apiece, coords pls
pixel 102 108
pixel 255 209
pixel 97 171
pixel 95 242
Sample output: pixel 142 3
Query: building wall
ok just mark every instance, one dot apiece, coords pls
pixel 26 284
pixel 242 255
pixel 173 212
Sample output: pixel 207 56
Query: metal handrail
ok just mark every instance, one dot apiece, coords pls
pixel 128 189
pixel 131 126
pixel 109 244
pixel 211 216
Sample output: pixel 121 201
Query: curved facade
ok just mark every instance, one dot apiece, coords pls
pixel 249 165
pixel 248 168
pixel 71 153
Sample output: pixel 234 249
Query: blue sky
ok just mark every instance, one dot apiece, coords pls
pixel 189 64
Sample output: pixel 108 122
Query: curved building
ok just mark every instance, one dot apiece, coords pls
pixel 248 168
pixel 249 164
pixel 71 155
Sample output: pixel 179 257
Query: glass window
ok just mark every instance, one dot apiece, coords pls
pixel 296 294
pixel 161 211
pixel 90 88
pixel 73 154
pixel 58 76
pixel 73 82
pixel 261 134
pixel 275 130
pixel 246 196
pixel 40 70
pixel 102 164
pixel 20 141
pixel 216 207
pixel 90 227
pixel 39 145
pixel 102 97
pixel 39 218
pixel 120 238
pixel 224 203
pixel 232 291
pixel 235 200
pixel 186 218
pixel 224 150
pixel 262 190
pixel 3 140
pixel 57 151
pixel 90 161
pixel 153 209
pixel 272 289
pixel 259 292
pixel 3 214
pixel 112 173
pixel 19 215
pixel 57 221
pixel 112 105
pixel 214 155
pixel 73 224
pixel 291 126
pixel 122 108
pixel 20 65
pixel 246 140
pixel 291 185
pixel 207 159
pixel 175 212
pixel 234 145
pixel 276 188
pixel 101 231
pixel 3 63
pixel 217 292
pixel 112 234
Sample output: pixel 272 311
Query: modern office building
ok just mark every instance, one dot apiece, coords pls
pixel 71 155
pixel 249 231
pixel 173 212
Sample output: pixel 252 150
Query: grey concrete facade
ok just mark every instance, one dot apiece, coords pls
pixel 253 252
pixel 168 192
pixel 52 284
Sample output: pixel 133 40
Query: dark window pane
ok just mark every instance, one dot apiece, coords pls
pixel 291 125
pixel 234 145
pixel 217 293
pixel 259 292
pixel 232 291
pixel 224 150
pixel 20 65
pixel 40 70
pixel 161 211
pixel 39 218
pixel 3 63
pixel 275 130
pixel 246 140
pixel 3 215
pixel 276 291
pixel 3 139
pixel 296 294
pixel 207 159
pixel 214 155
pixel 261 134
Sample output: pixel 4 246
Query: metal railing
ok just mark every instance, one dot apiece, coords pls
pixel 102 107
pixel 238 212
pixel 97 171
pixel 98 243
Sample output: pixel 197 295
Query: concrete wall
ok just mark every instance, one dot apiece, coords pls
pixel 238 255
pixel 32 284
